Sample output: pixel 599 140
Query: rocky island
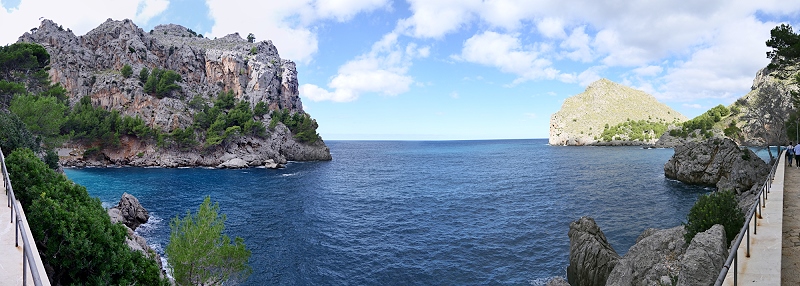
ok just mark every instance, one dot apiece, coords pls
pixel 614 110
pixel 93 68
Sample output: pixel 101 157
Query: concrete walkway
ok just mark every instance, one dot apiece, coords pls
pixel 10 255
pixel 763 267
pixel 790 260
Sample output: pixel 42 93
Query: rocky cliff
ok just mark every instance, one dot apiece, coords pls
pixel 583 117
pixel 90 65
pixel 763 110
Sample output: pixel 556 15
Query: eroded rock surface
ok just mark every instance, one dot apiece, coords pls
pixel 656 254
pixel 717 162
pixel 704 258
pixel 129 211
pixel 591 257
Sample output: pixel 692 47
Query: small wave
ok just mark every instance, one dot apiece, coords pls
pixel 107 205
pixel 542 281
pixel 288 175
pixel 150 226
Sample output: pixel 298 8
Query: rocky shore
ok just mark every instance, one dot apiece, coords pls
pixel 132 214
pixel 662 256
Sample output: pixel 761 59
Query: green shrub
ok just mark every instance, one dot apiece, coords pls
pixel 144 75
pixel 719 207
pixel 126 71
pixel 14 134
pixel 73 233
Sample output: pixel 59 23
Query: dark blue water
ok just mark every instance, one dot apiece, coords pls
pixel 425 213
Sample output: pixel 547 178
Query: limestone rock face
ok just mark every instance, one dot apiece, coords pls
pixel 129 211
pixel 235 163
pixel 557 281
pixel 591 257
pixel 771 90
pixel 656 254
pixel 583 117
pixel 89 65
pixel 717 162
pixel 704 258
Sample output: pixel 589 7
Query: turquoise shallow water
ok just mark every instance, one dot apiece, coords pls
pixel 424 213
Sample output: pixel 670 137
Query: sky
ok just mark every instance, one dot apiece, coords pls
pixel 466 69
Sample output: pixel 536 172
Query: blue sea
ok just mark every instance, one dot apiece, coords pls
pixel 415 212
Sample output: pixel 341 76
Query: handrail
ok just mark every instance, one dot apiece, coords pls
pixel 28 258
pixel 745 231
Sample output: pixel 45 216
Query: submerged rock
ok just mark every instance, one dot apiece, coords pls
pixel 591 257
pixel 557 281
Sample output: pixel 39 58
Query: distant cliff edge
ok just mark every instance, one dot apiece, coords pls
pixel 609 113
pixel 93 66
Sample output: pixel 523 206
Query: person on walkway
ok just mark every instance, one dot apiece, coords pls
pixel 789 153
pixel 796 150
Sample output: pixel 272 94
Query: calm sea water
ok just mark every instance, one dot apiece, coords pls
pixel 424 213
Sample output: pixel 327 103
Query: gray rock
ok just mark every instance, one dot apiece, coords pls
pixel 235 163
pixel 88 65
pixel 656 254
pixel 557 281
pixel 716 162
pixel 704 258
pixel 271 164
pixel 129 211
pixel 591 257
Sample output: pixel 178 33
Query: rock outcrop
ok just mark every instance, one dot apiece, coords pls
pixel 717 162
pixel 132 214
pixel 659 257
pixel 583 117
pixel 704 258
pixel 769 104
pixel 655 255
pixel 129 212
pixel 591 257
pixel 89 65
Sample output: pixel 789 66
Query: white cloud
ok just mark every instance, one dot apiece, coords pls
pixel 648 71
pixel 434 19
pixel 148 9
pixel 344 10
pixel 383 70
pixel 694 105
pixel 551 28
pixel 506 53
pixel 577 46
pixel 78 16
pixel 454 95
pixel 290 25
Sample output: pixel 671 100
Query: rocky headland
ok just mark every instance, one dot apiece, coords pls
pixel 605 104
pixel 90 65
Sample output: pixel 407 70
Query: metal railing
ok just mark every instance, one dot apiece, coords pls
pixel 756 209
pixel 29 260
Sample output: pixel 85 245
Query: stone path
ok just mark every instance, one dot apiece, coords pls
pixel 790 255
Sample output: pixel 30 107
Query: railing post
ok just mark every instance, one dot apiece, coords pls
pixel 735 266
pixel 747 253
pixel 16 234
pixel 24 264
